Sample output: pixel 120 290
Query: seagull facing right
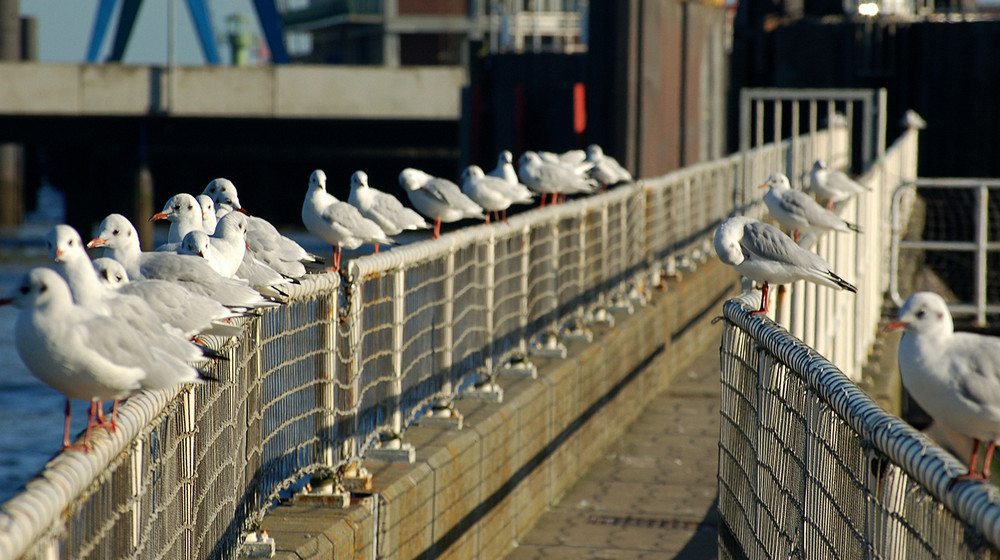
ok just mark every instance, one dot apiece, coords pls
pixel 764 254
pixel 83 355
pixel 798 212
pixel 383 208
pixel 832 185
pixel 954 376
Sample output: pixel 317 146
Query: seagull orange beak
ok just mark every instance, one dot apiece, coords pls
pixel 95 242
pixel 244 210
pixel 158 216
pixel 6 301
pixel 763 186
pixel 895 326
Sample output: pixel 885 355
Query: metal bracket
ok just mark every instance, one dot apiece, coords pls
pixel 257 546
pixel 443 416
pixel 519 366
pixel 548 346
pixel 392 450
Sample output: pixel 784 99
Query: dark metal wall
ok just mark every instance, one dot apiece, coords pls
pixel 654 75
pixel 947 72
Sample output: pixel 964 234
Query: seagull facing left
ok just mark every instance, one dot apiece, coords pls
pixel 84 355
pixel 954 376
pixel 764 254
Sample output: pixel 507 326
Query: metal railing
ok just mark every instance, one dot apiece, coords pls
pixel 811 467
pixel 956 239
pixel 346 365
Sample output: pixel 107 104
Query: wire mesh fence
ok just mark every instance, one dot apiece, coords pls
pixel 351 360
pixel 811 467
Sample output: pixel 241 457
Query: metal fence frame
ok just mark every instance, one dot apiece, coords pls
pixel 811 467
pixel 319 381
pixel 902 201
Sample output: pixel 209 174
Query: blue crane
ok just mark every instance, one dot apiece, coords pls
pixel 267 15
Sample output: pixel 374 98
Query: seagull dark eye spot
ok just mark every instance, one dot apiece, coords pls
pixel 42 288
pixel 70 242
pixel 920 314
pixel 24 289
pixel 114 232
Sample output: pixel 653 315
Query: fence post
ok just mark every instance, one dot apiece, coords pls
pixel 325 373
pixel 982 238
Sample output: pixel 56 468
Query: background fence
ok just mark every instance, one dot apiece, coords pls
pixel 349 363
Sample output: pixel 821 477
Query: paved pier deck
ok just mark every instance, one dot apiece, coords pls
pixel 654 495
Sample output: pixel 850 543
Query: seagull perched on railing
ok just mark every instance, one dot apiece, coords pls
pixel 84 355
pixel 832 185
pixel 494 194
pixel 764 254
pixel 383 208
pixel 544 177
pixel 437 198
pixel 954 376
pixel 798 212
pixel 335 222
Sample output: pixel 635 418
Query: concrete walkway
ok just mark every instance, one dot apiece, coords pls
pixel 654 494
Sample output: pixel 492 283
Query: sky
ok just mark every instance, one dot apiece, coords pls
pixel 64 28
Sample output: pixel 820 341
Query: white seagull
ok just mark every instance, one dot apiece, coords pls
pixel 606 169
pixel 335 222
pixel 83 355
pixel 832 185
pixel 764 254
pixel 954 376
pixel 437 198
pixel 505 168
pixel 798 212
pixel 383 208
pixel 544 177
pixel 492 193
pixel 208 218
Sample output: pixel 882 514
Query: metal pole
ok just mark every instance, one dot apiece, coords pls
pixel 982 237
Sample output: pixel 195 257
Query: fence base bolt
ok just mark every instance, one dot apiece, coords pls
pixel 487 392
pixel 520 368
pixel 255 546
pixel 443 417
pixel 548 346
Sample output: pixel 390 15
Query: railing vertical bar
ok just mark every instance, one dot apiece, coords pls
pixel 395 393
pixel 448 327
pixel 982 238
pixel 326 374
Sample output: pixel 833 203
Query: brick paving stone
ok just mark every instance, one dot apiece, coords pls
pixel 653 493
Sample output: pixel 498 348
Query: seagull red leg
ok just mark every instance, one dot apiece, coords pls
pixel 971 474
pixel 987 460
pixel 763 300
pixel 437 228
pixel 376 248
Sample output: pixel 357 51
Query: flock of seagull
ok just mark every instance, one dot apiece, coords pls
pixel 105 329
pixel 954 376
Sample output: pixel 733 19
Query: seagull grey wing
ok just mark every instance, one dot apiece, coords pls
pixel 453 195
pixel 802 205
pixel 390 208
pixel 976 367
pixel 349 218
pixel 768 242
pixel 843 183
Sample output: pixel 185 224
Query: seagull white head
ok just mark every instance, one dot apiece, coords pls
pixel 413 179
pixel 39 287
pixel 111 272
pixel 63 243
pixel 178 207
pixel 820 164
pixel 594 152
pixel 232 224
pixel 116 231
pixel 777 181
pixel 359 180
pixel 505 157
pixel 317 179
pixel 924 313
pixel 196 243
pixel 473 172
pixel 223 191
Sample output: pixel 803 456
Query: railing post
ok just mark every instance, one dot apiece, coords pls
pixel 325 373
pixel 982 238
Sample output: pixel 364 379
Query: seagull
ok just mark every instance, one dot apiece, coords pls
pixel 832 185
pixel 278 251
pixel 505 168
pixel 184 214
pixel 764 254
pixel 335 222
pixel 492 193
pixel 437 198
pixel 912 119
pixel 192 313
pixel 606 170
pixel 544 177
pixel 73 263
pixel 954 376
pixel 383 208
pixel 229 243
pixel 83 355
pixel 261 277
pixel 121 242
pixel 798 212
pixel 208 218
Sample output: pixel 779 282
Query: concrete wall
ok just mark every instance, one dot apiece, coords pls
pixel 296 91
pixel 473 493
